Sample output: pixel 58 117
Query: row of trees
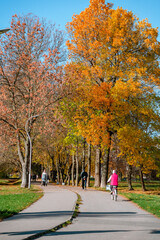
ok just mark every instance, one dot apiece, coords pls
pixel 98 110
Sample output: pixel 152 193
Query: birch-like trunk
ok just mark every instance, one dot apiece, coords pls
pixel 57 168
pixel 73 166
pixel 24 160
pixel 77 165
pixel 104 168
pixel 89 165
pixel 84 157
pixel 24 176
pixel 97 167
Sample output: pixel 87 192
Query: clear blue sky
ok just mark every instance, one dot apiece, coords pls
pixel 61 11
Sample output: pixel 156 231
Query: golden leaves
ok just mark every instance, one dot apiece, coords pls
pixel 135 145
pixel 116 66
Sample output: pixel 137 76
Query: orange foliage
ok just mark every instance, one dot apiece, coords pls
pixel 113 70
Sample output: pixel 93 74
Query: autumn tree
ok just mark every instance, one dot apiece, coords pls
pixel 31 79
pixel 112 50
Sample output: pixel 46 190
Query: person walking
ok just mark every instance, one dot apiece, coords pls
pixel 44 178
pixel 84 176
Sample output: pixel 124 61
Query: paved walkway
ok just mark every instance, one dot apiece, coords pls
pixel 55 207
pixel 100 218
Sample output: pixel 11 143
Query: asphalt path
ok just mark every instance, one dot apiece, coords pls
pixel 100 217
pixel 54 208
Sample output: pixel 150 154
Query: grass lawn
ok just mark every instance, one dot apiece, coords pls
pixel 13 198
pixel 148 200
pixel 150 203
pixel 151 186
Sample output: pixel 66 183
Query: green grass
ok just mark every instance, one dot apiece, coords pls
pixel 150 203
pixel 14 203
pixel 13 199
pixel 150 186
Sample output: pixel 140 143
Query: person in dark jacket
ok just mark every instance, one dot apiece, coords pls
pixel 84 176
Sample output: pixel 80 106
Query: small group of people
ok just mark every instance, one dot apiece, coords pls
pixel 113 179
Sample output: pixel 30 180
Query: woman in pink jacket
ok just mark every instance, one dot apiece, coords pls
pixel 113 179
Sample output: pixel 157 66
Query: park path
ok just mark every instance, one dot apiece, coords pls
pixel 54 208
pixel 100 218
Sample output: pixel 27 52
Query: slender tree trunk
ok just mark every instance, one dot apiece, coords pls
pixel 83 159
pixel 89 165
pixel 69 170
pixel 108 154
pixel 97 167
pixel 129 173
pixel 77 165
pixel 105 163
pixel 57 168
pixel 24 161
pixel 53 167
pixel 68 177
pixel 62 175
pixel 104 169
pixel 24 176
pixel 142 180
pixel 73 166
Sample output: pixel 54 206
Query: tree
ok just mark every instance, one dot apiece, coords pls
pixel 112 50
pixel 31 77
pixel 137 146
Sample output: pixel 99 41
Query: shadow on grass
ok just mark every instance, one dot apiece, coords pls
pixel 12 181
pixel 7 214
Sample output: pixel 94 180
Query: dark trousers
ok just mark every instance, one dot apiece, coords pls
pixel 84 181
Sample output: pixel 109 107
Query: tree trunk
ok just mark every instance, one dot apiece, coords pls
pixel 97 167
pixel 108 154
pixel 77 165
pixel 57 168
pixel 129 173
pixel 89 165
pixel 53 167
pixel 68 177
pixel 142 180
pixel 69 170
pixel 83 159
pixel 24 161
pixel 104 168
pixel 73 166
pixel 24 176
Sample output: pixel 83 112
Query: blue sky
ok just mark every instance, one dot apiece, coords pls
pixel 61 11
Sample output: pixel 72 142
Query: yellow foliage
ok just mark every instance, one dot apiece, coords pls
pixel 115 65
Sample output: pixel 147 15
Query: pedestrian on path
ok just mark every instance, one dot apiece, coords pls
pixel 84 176
pixel 44 178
